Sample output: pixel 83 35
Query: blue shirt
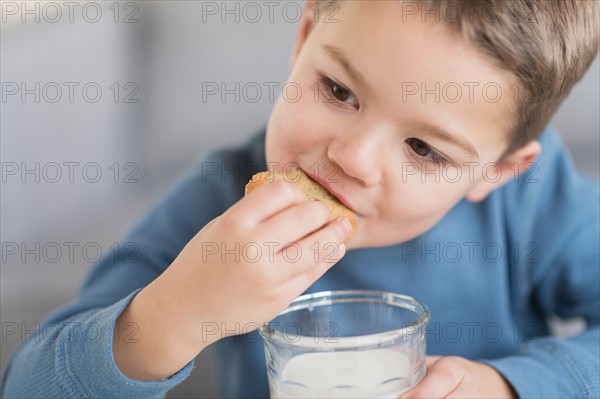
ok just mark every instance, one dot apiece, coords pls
pixel 490 272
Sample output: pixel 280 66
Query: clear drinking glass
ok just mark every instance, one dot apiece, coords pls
pixel 344 344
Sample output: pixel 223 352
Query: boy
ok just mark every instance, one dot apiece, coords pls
pixel 446 214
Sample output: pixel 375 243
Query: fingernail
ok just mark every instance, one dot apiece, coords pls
pixel 341 251
pixel 347 226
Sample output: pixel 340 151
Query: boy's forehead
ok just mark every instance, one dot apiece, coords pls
pixel 360 27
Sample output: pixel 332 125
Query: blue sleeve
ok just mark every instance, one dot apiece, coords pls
pixel 72 358
pixel 71 354
pixel 564 281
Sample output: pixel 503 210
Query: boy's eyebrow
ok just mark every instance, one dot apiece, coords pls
pixel 337 54
pixel 448 137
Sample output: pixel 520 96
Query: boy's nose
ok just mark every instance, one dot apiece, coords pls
pixel 359 155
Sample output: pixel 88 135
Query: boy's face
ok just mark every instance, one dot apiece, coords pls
pixel 373 130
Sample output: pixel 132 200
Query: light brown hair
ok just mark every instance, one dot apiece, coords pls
pixel 546 44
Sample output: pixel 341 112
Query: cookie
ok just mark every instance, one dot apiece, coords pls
pixel 312 189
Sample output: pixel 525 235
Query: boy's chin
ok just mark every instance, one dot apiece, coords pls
pixel 363 240
pixel 357 243
pixel 368 236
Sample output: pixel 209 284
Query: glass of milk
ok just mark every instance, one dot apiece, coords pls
pixel 346 344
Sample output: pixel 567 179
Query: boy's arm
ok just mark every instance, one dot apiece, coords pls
pixel 564 281
pixel 555 368
pixel 72 358
pixel 71 355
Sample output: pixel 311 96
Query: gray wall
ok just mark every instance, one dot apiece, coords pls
pixel 165 56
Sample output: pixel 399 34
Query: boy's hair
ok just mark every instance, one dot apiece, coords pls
pixel 546 44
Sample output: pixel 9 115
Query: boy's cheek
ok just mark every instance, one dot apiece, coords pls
pixel 301 119
pixel 417 202
pixel 291 130
pixel 448 183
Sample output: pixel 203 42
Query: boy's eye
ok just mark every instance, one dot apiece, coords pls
pixel 340 93
pixel 336 93
pixel 424 151
pixel 419 147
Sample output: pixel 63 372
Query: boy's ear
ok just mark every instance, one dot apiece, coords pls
pixel 306 26
pixel 512 166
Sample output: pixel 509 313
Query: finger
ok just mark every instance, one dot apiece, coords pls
pixel 430 360
pixel 294 223
pixel 459 393
pixel 266 201
pixel 297 285
pixel 320 251
pixel 442 378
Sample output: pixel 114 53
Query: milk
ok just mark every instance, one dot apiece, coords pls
pixel 379 373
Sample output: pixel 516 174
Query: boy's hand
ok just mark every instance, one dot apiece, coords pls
pixel 457 377
pixel 237 272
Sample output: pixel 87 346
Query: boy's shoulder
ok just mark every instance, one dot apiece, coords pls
pixel 224 172
pixel 250 153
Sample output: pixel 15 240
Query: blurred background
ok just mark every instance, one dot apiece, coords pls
pixel 102 109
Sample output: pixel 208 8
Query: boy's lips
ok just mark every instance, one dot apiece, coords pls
pixel 333 192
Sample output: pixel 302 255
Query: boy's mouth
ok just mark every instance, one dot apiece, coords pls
pixel 332 191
